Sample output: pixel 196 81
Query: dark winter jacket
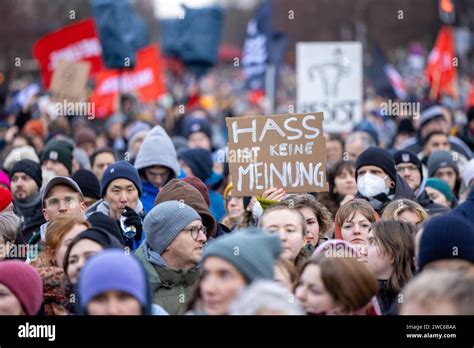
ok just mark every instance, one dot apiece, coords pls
pixel 431 207
pixel 466 209
pixel 102 206
pixel 385 296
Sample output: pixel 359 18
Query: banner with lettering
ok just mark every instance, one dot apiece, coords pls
pixel 75 42
pixel 145 80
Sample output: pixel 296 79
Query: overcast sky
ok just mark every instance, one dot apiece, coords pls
pixel 172 8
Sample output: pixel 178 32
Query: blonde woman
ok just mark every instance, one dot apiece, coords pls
pixel 405 210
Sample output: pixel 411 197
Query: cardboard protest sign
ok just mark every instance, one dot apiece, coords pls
pixel 75 42
pixel 329 79
pixel 69 81
pixel 145 79
pixel 280 151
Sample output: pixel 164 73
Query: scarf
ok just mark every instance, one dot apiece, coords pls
pixel 153 257
pixel 378 201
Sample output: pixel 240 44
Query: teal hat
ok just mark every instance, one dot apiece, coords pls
pixel 441 186
pixel 252 251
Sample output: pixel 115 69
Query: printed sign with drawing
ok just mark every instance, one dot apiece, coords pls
pixel 280 151
pixel 329 79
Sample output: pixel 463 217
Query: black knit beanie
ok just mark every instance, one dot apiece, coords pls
pixel 30 168
pixel 378 157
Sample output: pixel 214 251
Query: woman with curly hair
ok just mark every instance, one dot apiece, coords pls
pixel 317 218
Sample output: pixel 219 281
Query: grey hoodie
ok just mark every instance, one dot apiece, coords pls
pixel 157 149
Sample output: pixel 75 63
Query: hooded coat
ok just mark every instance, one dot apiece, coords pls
pixel 170 288
pixel 178 190
pixel 200 162
pixel 156 150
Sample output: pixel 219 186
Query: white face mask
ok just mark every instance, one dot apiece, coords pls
pixel 370 185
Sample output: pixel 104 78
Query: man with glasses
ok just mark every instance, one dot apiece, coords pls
pixel 409 167
pixel 61 197
pixel 172 252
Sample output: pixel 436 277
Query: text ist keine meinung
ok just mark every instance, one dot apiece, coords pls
pixel 285 144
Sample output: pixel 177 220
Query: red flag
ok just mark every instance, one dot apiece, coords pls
pixel 75 42
pixel 441 68
pixel 145 79
pixel 470 98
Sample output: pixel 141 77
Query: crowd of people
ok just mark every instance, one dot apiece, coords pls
pixel 136 214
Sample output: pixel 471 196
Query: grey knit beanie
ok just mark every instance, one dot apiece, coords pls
pixel 441 159
pixel 252 251
pixel 165 221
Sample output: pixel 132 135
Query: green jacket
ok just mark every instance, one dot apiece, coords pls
pixel 171 288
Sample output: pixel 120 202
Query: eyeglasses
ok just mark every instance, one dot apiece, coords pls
pixel 69 201
pixel 411 168
pixel 195 231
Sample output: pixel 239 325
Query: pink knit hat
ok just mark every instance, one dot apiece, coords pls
pixel 337 248
pixel 4 179
pixel 24 282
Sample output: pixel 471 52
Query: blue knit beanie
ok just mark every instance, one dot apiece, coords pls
pixel 252 251
pixel 193 125
pixel 120 170
pixel 112 270
pixel 446 237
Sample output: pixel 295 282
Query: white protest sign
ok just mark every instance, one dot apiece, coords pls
pixel 329 79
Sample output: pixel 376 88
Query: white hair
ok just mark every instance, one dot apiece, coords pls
pixel 434 285
pixel 362 137
pixel 266 295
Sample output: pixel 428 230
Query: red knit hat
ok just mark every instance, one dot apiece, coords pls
pixel 6 198
pixel 24 282
pixel 35 127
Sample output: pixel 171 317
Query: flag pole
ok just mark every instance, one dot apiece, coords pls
pixel 270 89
